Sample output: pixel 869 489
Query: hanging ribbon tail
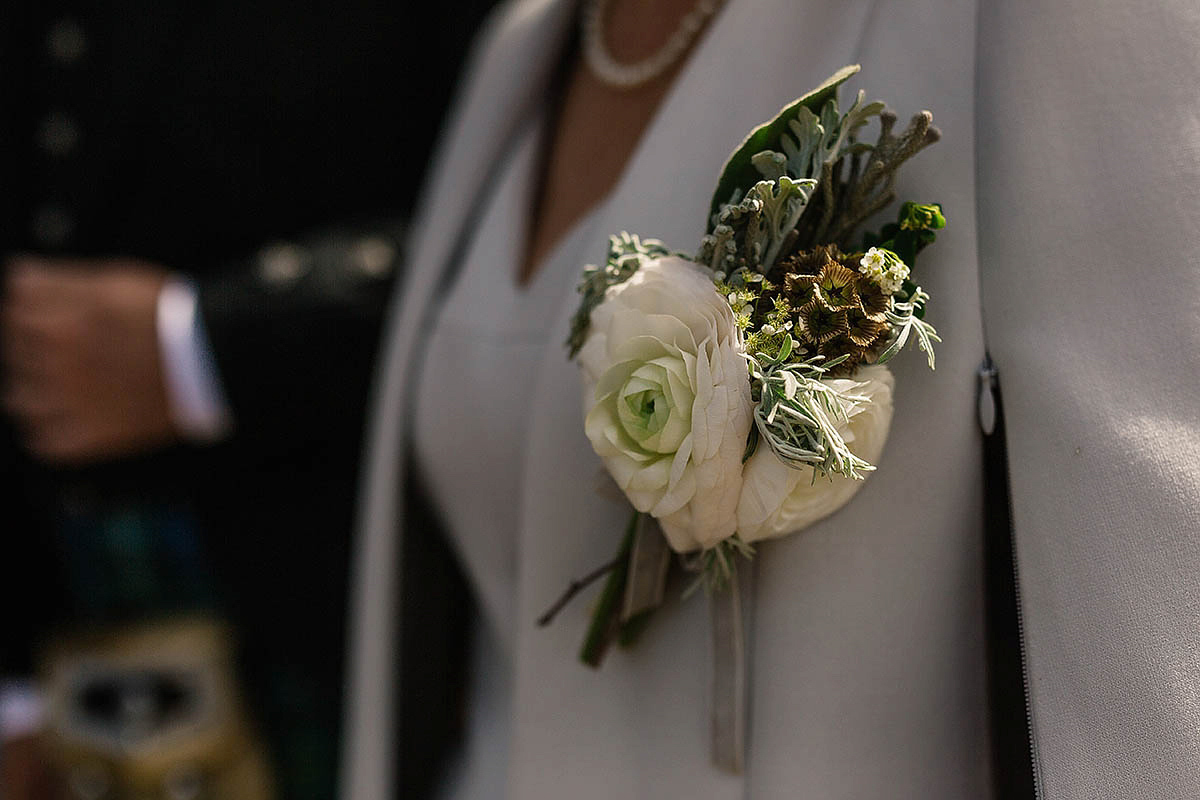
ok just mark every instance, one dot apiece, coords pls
pixel 648 564
pixel 729 677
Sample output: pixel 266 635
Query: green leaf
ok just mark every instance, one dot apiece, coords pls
pixel 785 349
pixel 739 172
pixel 895 346
pixel 751 443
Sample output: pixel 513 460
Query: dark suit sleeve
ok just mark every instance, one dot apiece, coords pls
pixel 294 329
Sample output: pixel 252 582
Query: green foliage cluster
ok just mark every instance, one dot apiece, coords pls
pixel 798 413
pixel 913 231
pixel 819 315
pixel 749 232
pixel 787 204
pixel 767 183
pixel 830 306
pixel 804 179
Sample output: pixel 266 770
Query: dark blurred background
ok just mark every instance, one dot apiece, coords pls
pixel 202 209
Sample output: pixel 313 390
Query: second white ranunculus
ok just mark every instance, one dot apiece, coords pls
pixel 667 399
pixel 777 499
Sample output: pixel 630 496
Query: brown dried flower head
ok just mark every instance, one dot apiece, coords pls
pixel 839 311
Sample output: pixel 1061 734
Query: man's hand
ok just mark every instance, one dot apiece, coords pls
pixel 25 771
pixel 82 371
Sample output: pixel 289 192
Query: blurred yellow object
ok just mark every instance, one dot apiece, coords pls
pixel 152 711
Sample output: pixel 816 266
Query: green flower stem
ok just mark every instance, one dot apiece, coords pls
pixel 606 618
pixel 631 629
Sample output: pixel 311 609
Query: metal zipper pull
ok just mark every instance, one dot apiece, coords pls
pixel 987 396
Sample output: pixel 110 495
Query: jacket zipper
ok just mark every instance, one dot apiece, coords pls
pixel 991 423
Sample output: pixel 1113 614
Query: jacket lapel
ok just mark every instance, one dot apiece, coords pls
pixel 507 76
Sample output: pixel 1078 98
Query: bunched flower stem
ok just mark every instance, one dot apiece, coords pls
pixel 606 618
pixel 607 623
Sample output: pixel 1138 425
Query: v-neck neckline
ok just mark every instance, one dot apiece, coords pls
pixel 522 282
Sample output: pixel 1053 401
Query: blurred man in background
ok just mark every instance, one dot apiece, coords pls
pixel 199 221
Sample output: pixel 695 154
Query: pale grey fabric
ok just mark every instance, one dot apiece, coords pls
pixel 1089 231
pixel 867 672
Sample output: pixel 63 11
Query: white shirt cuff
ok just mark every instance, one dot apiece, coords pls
pixel 22 710
pixel 197 402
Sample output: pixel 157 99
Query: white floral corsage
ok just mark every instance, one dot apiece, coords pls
pixel 739 393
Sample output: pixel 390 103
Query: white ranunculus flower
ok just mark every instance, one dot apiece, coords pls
pixel 667 399
pixel 778 499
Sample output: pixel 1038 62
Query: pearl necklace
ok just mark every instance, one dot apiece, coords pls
pixel 630 76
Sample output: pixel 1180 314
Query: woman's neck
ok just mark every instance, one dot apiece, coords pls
pixel 598 126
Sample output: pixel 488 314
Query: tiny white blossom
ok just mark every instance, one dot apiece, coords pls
pixel 885 269
pixel 873 263
pixel 889 284
pixel 895 277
